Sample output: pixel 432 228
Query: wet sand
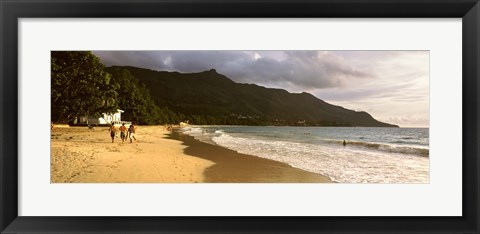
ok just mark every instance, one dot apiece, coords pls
pixel 233 167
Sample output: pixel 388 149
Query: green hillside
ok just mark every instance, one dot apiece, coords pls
pixel 212 98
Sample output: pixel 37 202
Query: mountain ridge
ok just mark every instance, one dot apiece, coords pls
pixel 211 98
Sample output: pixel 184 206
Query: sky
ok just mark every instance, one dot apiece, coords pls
pixel 393 86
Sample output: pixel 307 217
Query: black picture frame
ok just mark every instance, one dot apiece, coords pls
pixel 11 11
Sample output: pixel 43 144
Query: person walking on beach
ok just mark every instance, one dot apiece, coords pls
pixel 123 132
pixel 112 132
pixel 131 132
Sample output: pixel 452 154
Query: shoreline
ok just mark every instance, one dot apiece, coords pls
pixel 233 167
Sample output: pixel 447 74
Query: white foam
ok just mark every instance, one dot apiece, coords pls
pixel 346 165
pixel 201 134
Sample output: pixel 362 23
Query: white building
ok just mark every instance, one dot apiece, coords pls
pixel 111 117
pixel 107 119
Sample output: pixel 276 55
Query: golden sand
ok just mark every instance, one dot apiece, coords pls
pixel 82 155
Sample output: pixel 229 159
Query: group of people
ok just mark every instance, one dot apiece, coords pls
pixel 124 132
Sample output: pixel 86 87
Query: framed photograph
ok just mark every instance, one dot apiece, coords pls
pixel 226 116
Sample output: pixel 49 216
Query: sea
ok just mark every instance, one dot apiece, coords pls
pixel 370 155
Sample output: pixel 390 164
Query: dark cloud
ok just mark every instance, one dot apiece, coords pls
pixel 296 69
pixel 143 59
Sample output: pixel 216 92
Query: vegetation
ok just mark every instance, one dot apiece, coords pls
pixel 79 86
pixel 134 98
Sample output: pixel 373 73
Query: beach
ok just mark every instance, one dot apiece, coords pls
pixel 82 155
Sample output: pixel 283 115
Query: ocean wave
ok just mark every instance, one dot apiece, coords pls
pixel 191 130
pixel 346 165
pixel 201 134
pixel 417 151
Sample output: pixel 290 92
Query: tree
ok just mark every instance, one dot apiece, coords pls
pixel 134 98
pixel 79 86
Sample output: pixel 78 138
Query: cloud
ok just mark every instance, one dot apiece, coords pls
pixel 297 69
pixel 143 59
pixel 408 121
